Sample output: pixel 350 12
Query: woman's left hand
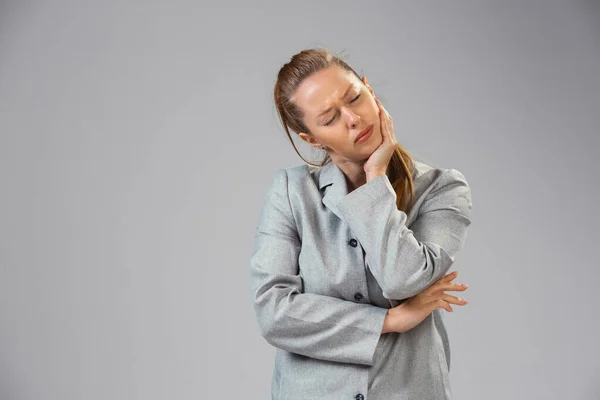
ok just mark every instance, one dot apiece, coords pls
pixel 378 161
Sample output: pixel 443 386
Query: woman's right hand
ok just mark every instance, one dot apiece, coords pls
pixel 415 309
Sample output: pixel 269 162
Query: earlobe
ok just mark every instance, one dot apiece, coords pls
pixel 310 140
pixel 307 138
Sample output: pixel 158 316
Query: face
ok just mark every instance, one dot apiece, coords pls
pixel 337 107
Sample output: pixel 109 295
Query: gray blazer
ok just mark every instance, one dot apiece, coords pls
pixel 326 266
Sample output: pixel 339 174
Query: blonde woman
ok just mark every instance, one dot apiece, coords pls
pixel 349 272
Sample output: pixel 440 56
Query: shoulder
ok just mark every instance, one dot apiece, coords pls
pixel 429 177
pixel 441 188
pixel 299 172
pixel 295 177
pixel 291 190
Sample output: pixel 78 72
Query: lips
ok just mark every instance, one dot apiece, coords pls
pixel 363 133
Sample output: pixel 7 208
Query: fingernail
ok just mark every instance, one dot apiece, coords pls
pixel 465 286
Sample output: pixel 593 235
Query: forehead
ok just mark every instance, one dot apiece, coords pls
pixel 321 89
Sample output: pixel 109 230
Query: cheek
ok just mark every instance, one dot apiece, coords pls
pixel 372 106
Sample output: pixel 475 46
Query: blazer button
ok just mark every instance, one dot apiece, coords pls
pixel 353 242
pixel 358 297
pixel 359 397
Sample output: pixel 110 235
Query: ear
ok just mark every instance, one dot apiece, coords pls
pixel 366 82
pixel 310 140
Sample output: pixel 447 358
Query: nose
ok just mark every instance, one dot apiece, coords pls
pixel 353 119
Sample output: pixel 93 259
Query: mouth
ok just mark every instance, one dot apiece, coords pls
pixel 364 133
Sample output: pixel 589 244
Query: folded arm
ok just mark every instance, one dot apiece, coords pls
pixel 310 324
pixel 406 261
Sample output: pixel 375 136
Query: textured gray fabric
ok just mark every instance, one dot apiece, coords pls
pixel 322 302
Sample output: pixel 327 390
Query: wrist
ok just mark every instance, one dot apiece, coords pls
pixel 388 322
pixel 370 175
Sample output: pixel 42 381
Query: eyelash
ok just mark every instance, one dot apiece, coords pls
pixel 331 120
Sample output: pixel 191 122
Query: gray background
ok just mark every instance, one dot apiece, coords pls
pixel 138 139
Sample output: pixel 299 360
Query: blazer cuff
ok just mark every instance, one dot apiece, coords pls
pixel 362 198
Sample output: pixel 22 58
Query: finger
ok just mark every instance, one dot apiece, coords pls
pixel 384 114
pixel 429 306
pixel 387 125
pixel 448 277
pixel 439 304
pixel 382 122
pixel 387 114
pixel 441 283
pixel 450 286
pixel 391 129
pixel 448 298
pixel 379 105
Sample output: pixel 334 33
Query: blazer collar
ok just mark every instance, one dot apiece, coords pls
pixel 332 178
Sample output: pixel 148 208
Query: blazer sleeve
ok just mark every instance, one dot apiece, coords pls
pixel 406 261
pixel 313 325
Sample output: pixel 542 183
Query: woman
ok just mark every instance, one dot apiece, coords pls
pixel 350 261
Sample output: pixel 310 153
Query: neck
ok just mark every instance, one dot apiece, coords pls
pixel 354 172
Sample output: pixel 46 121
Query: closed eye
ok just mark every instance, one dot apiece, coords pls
pixel 331 120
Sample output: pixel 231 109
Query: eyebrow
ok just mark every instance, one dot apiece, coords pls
pixel 344 95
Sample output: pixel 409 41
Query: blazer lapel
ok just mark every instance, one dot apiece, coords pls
pixel 333 181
